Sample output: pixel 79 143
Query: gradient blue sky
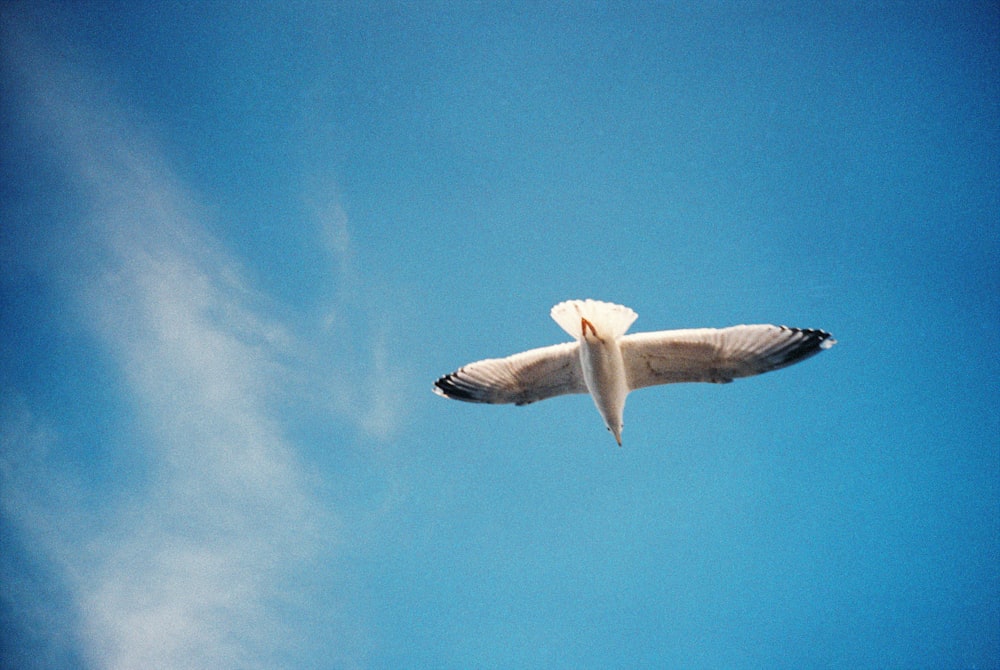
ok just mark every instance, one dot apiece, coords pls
pixel 239 243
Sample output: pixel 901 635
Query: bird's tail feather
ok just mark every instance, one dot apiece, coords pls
pixel 609 319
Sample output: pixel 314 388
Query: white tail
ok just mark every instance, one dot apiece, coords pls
pixel 609 319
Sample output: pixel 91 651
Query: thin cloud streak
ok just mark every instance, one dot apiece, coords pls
pixel 37 495
pixel 364 383
pixel 192 570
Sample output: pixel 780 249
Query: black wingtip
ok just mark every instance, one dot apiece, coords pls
pixel 815 337
pixel 813 341
pixel 452 386
pixel 445 386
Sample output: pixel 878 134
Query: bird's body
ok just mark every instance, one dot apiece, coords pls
pixel 597 327
pixel 608 364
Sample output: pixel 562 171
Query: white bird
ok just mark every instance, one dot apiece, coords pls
pixel 608 364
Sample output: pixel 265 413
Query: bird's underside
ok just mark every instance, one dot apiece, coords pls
pixel 608 364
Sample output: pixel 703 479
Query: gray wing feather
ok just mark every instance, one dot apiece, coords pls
pixel 716 355
pixel 523 378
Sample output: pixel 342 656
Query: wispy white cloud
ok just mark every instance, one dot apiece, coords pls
pixel 190 571
pixel 228 507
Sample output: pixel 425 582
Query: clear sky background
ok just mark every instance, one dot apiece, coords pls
pixel 240 243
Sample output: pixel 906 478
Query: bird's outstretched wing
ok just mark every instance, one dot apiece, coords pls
pixel 532 375
pixel 716 355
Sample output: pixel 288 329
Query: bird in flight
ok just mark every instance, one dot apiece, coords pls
pixel 606 363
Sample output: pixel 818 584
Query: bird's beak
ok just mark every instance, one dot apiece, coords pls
pixel 618 436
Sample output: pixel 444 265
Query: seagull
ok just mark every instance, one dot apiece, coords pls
pixel 606 363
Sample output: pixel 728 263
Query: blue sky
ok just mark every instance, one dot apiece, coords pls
pixel 240 243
